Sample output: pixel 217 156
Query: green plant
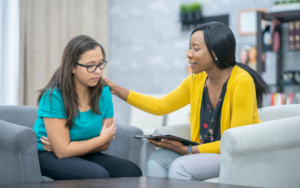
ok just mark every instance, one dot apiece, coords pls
pixel 194 7
pixel 277 3
pixel 184 9
pixel 284 2
pixel 292 1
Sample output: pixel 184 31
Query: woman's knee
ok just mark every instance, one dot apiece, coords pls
pixel 124 168
pixel 82 172
pixel 94 172
pixel 69 168
pixel 196 167
pixel 132 170
pixel 179 169
pixel 159 162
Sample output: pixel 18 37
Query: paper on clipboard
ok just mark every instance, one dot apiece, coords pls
pixel 184 141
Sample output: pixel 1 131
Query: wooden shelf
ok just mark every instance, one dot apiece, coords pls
pixel 286 16
pixel 282 16
pixel 284 85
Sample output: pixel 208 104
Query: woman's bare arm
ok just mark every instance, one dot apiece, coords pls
pixel 59 137
pixel 105 146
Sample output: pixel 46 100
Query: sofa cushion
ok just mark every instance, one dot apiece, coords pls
pixel 20 115
pixel 279 112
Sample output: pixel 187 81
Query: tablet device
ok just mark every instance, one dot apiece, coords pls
pixel 184 141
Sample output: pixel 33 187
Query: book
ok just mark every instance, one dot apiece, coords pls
pixel 297 35
pixel 184 141
pixel 272 99
pixel 291 35
pixel 279 99
pixel 291 98
pixel 282 99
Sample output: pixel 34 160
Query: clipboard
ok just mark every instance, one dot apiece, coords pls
pixel 184 141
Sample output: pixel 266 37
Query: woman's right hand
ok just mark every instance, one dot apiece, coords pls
pixel 116 89
pixel 110 84
pixel 108 131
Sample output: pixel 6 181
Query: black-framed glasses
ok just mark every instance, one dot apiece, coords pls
pixel 92 68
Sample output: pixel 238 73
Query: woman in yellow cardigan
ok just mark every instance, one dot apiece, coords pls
pixel 223 94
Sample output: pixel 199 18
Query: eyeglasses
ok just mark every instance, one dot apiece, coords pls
pixel 92 68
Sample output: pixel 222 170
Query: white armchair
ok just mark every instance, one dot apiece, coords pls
pixel 264 154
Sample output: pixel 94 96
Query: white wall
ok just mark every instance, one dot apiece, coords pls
pixel 9 51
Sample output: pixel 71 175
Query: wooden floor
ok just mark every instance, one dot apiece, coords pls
pixel 142 182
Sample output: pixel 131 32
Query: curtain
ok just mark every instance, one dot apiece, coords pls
pixel 46 27
pixel 9 51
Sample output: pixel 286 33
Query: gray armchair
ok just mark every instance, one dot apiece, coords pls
pixel 18 147
pixel 264 154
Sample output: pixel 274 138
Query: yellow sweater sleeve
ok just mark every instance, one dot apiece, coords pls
pixel 173 101
pixel 213 147
pixel 243 104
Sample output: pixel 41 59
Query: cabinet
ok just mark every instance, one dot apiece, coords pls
pixel 283 17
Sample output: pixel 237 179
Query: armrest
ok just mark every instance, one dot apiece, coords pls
pixel 124 145
pixel 182 130
pixel 18 159
pixel 264 154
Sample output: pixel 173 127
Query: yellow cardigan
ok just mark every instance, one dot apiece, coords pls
pixel 239 105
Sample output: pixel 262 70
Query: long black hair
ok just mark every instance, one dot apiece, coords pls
pixel 220 40
pixel 63 78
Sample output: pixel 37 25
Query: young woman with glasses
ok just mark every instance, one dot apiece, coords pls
pixel 75 118
pixel 223 94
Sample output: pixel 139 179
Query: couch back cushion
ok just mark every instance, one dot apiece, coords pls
pixel 20 115
pixel 279 112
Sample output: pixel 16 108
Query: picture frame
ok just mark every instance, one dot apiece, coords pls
pixel 247 53
pixel 247 21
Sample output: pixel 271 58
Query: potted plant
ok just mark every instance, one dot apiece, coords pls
pixel 195 8
pixel 190 15
pixel 286 6
pixel 183 12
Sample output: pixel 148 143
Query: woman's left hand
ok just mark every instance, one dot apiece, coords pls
pixel 172 145
pixel 46 144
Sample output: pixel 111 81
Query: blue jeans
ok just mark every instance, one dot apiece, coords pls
pixel 168 164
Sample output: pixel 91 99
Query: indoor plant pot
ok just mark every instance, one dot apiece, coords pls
pixel 286 6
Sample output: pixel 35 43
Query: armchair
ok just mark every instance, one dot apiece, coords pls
pixel 18 148
pixel 264 154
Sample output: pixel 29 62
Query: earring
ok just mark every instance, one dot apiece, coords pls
pixel 73 72
pixel 216 59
